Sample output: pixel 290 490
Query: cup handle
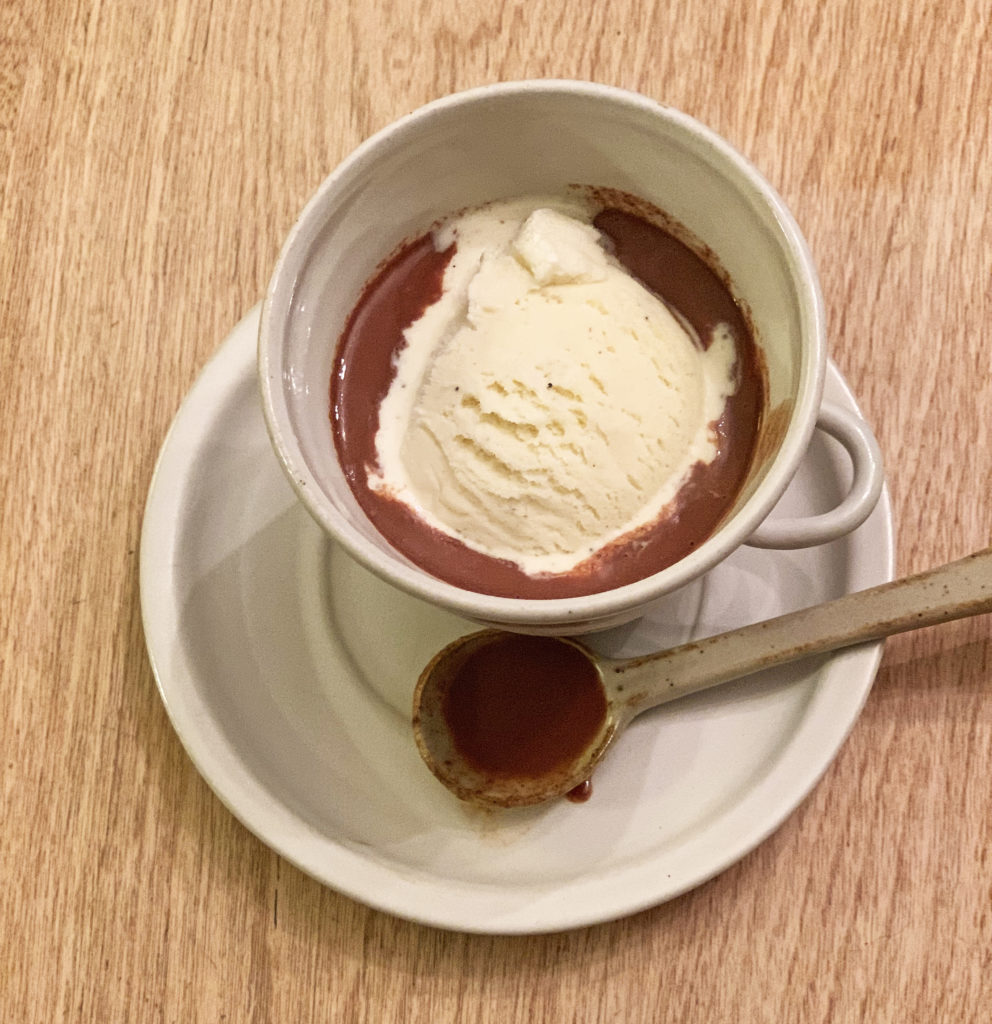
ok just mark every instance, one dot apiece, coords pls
pixel 856 436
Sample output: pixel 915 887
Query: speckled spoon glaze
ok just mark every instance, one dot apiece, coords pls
pixel 507 720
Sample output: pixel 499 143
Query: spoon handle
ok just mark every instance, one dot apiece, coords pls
pixel 952 591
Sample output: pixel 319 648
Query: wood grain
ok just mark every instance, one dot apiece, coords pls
pixel 152 157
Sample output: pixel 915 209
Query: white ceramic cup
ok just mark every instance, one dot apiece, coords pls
pixel 538 137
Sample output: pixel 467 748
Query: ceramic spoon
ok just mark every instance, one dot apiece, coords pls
pixel 626 688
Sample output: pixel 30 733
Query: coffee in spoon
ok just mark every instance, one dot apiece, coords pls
pixel 509 720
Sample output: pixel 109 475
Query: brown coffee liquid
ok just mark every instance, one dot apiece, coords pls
pixel 524 706
pixel 580 794
pixel 364 368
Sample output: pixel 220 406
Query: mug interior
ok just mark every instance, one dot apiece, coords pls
pixel 535 138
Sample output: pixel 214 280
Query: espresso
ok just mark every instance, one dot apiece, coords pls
pixel 411 281
pixel 524 707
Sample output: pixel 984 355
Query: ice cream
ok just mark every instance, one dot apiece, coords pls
pixel 548 403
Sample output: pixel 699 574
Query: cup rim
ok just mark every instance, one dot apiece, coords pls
pixel 538 612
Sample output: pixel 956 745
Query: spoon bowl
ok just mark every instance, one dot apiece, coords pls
pixel 508 720
pixel 487 727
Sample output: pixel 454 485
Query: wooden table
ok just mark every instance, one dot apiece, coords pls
pixel 152 158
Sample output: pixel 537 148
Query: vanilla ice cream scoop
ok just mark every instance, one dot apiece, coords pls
pixel 548 403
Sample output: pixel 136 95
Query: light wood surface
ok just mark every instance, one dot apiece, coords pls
pixel 152 157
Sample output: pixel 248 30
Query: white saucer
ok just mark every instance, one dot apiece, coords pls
pixel 287 671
